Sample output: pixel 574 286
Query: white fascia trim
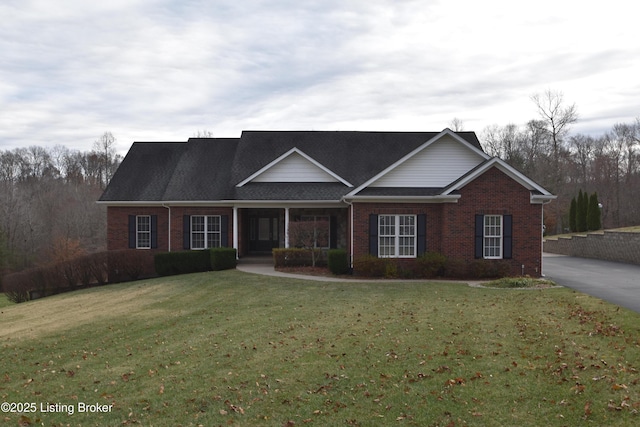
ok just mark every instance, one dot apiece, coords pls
pixel 504 167
pixel 288 203
pixel 453 198
pixel 287 154
pixel 445 132
pixel 538 199
pixel 230 203
pixel 168 203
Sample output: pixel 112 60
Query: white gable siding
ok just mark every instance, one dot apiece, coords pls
pixel 437 165
pixel 294 168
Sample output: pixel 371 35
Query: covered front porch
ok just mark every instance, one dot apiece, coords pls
pixel 259 229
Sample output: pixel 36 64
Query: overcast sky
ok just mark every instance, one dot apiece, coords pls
pixel 156 70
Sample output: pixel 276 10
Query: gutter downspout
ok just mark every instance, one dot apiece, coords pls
pixel 542 240
pixel 350 204
pixel 168 227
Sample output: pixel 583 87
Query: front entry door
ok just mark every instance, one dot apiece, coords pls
pixel 264 233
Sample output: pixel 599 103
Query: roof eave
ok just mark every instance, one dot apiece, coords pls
pixel 226 203
pixel 453 198
pixel 537 199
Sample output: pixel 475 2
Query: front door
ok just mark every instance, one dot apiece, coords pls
pixel 264 232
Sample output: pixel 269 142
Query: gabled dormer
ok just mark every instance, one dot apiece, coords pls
pixel 435 164
pixel 294 166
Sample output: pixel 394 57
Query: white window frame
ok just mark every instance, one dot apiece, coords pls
pixel 211 238
pixel 492 237
pixel 393 233
pixel 143 232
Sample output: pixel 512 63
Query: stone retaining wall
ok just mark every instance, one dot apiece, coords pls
pixel 610 246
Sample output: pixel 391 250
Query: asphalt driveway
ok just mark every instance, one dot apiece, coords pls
pixel 615 282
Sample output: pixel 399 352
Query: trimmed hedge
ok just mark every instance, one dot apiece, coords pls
pixel 431 264
pixel 82 272
pixel 223 258
pixel 370 266
pixel 296 257
pixel 184 262
pixel 172 263
pixel 338 261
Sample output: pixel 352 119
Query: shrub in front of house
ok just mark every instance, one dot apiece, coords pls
pixel 129 264
pixel 370 266
pixel 338 261
pixel 296 257
pixel 489 269
pixel 222 258
pixel 183 262
pixel 78 273
pixel 431 264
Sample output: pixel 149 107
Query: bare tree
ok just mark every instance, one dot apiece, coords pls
pixel 108 160
pixel 203 134
pixel 456 125
pixel 557 118
pixel 310 235
pixel 582 148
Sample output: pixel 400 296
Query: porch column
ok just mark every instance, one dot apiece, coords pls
pixel 235 230
pixel 286 227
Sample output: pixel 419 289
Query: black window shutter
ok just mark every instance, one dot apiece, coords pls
pixel 154 231
pixel 479 236
pixel 333 232
pixel 422 234
pixel 507 238
pixel 186 232
pixel 132 231
pixel 373 235
pixel 224 231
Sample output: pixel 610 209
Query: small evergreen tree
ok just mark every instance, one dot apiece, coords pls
pixel 572 215
pixel 581 211
pixel 593 213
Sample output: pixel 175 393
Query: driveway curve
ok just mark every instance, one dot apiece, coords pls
pixel 614 282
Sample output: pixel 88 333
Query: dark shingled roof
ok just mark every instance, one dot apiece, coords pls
pixel 208 169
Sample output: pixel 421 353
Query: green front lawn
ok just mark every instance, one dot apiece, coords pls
pixel 230 348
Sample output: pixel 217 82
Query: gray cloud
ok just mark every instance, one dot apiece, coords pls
pixel 165 69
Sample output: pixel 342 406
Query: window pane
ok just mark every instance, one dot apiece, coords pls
pixel 213 232
pixel 492 236
pixel 213 224
pixel 197 232
pixel 397 235
pixel 197 223
pixel 143 232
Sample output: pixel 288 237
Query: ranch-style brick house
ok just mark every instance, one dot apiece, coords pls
pixel 388 194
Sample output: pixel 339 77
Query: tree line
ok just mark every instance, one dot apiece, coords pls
pixel 564 162
pixel 48 209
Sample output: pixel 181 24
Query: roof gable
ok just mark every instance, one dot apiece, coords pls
pixel 436 163
pixel 538 193
pixel 294 166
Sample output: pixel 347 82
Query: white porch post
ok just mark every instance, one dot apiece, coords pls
pixel 286 227
pixel 235 229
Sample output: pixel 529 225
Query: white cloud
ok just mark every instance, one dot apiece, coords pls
pixel 161 70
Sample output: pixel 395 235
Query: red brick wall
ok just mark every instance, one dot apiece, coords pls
pixel 495 193
pixel 361 222
pixel 118 224
pixel 451 226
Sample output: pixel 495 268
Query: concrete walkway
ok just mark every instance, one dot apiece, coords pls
pixel 268 270
pixel 265 268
